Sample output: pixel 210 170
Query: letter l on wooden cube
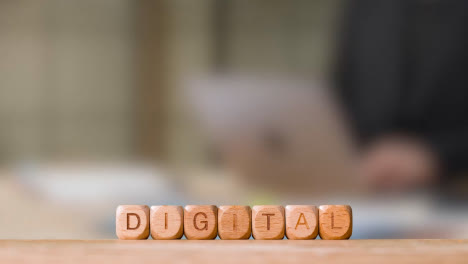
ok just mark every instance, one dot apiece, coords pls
pixel 335 222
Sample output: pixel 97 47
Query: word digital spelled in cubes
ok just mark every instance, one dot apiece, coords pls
pixel 268 222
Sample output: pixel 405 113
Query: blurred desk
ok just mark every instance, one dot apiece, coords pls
pixel 223 251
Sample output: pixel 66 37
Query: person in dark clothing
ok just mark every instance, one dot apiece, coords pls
pixel 402 75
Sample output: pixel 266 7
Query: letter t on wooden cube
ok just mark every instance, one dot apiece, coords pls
pixel 301 222
pixel 335 222
pixel 200 221
pixel 268 222
pixel 167 222
pixel 234 222
pixel 132 222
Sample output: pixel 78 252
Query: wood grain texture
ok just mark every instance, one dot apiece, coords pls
pixel 132 222
pixel 234 251
pixel 301 221
pixel 167 222
pixel 200 222
pixel 335 222
pixel 268 222
pixel 234 222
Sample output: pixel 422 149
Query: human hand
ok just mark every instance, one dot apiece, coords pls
pixel 398 163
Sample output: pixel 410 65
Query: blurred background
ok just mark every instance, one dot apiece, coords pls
pixel 233 102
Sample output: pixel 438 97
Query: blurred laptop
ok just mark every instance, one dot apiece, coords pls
pixel 279 134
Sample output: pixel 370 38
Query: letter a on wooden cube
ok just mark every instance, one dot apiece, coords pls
pixel 268 222
pixel 335 222
pixel 301 221
pixel 132 222
pixel 234 222
pixel 200 221
pixel 167 222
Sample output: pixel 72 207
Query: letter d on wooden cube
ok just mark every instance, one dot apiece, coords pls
pixel 132 222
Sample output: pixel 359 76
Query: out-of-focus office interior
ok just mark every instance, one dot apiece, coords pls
pixel 229 102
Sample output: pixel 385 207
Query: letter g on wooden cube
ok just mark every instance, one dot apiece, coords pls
pixel 132 222
pixel 200 221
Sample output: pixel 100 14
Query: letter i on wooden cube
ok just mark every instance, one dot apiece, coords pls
pixel 167 222
pixel 200 221
pixel 335 222
pixel 268 222
pixel 132 222
pixel 301 221
pixel 234 222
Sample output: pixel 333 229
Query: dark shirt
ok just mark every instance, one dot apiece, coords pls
pixel 403 68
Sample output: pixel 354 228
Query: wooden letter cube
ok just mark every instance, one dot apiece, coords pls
pixel 200 221
pixel 335 222
pixel 268 222
pixel 167 222
pixel 301 221
pixel 234 222
pixel 132 222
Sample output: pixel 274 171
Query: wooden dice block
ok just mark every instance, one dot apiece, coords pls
pixel 200 221
pixel 268 222
pixel 301 221
pixel 167 222
pixel 132 222
pixel 335 222
pixel 234 222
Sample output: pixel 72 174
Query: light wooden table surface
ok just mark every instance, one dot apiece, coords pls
pixel 223 251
